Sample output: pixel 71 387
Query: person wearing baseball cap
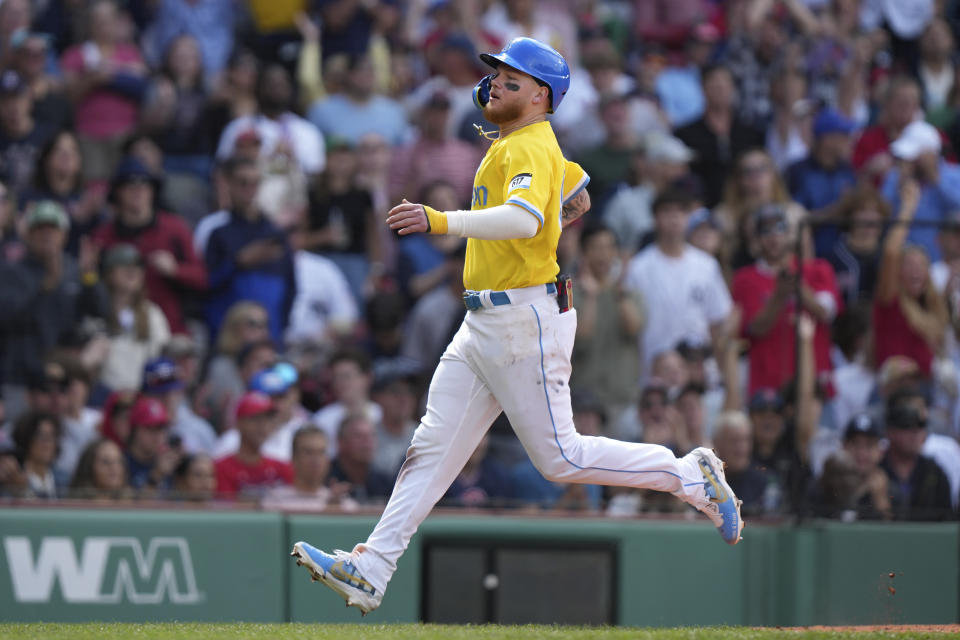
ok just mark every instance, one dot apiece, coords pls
pixel 919 159
pixel 41 294
pixel 162 380
pixel 819 181
pixel 248 472
pixel 279 383
pixel 150 460
pixel 163 239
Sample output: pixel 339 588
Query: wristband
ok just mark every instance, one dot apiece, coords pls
pixel 436 221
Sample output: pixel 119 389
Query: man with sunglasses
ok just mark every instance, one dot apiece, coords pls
pixel 919 488
pixel 766 293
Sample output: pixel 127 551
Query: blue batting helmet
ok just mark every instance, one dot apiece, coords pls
pixel 537 60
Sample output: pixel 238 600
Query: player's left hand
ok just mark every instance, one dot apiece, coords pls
pixel 407 218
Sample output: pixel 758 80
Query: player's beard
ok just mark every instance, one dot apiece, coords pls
pixel 503 113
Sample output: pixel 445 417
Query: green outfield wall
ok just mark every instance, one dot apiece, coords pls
pixel 146 565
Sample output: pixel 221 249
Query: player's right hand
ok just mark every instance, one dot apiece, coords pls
pixel 407 218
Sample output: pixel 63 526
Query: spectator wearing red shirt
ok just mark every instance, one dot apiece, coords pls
pixel 105 78
pixel 901 104
pixel 247 471
pixel 909 314
pixel 765 293
pixel 162 238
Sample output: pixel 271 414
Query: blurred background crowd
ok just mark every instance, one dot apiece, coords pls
pixel 199 300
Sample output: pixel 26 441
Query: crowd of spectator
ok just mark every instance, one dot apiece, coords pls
pixel 199 300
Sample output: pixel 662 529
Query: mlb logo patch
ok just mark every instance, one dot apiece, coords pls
pixel 521 181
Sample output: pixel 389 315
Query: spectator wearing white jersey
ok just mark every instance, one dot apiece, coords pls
pixel 685 294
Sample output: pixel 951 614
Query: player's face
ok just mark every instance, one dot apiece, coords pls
pixel 511 91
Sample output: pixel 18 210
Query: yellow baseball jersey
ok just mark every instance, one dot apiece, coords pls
pixel 525 169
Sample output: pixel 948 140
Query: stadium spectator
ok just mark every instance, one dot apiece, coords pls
pixel 151 457
pixel 173 116
pixel 898 108
pixel 605 360
pixel 719 136
pixel 609 162
pixel 854 381
pixel 919 487
pixel 422 258
pixel 324 310
pixel 785 425
pixel 944 272
pixel 434 155
pixel 282 132
pixel 359 109
pixel 341 224
pixel 58 176
pixel 31 60
pixel 245 323
pixel 437 315
pixel 789 132
pixel 36 436
pixel 350 380
pixel 101 473
pixel 353 464
pixel 942 449
pixel 21 134
pixel 766 293
pixel 248 473
pixel 818 181
pixel 755 184
pixel 249 258
pixel 936 67
pixel 115 422
pixel 136 327
pixel 756 485
pixel 855 255
pixel 105 79
pixel 195 478
pixel 210 23
pixel 312 489
pixel 280 383
pixel 661 162
pixel 696 305
pixel 162 238
pixel 918 154
pixel 67 377
pixel 232 96
pixel 852 485
pixel 394 391
pixel 161 380
pixel 909 315
pixel 41 299
pixel 679 86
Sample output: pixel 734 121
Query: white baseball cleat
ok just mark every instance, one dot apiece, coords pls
pixel 338 572
pixel 721 504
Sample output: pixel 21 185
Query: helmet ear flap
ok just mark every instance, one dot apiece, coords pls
pixel 481 92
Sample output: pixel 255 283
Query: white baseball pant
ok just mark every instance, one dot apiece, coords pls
pixel 514 358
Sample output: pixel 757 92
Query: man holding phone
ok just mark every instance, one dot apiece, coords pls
pixel 249 258
pixel 766 292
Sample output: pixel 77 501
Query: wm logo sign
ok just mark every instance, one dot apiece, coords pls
pixel 108 570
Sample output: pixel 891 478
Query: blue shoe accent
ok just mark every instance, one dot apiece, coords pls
pixel 338 572
pixel 721 495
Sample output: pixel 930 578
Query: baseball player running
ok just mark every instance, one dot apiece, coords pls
pixel 512 352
